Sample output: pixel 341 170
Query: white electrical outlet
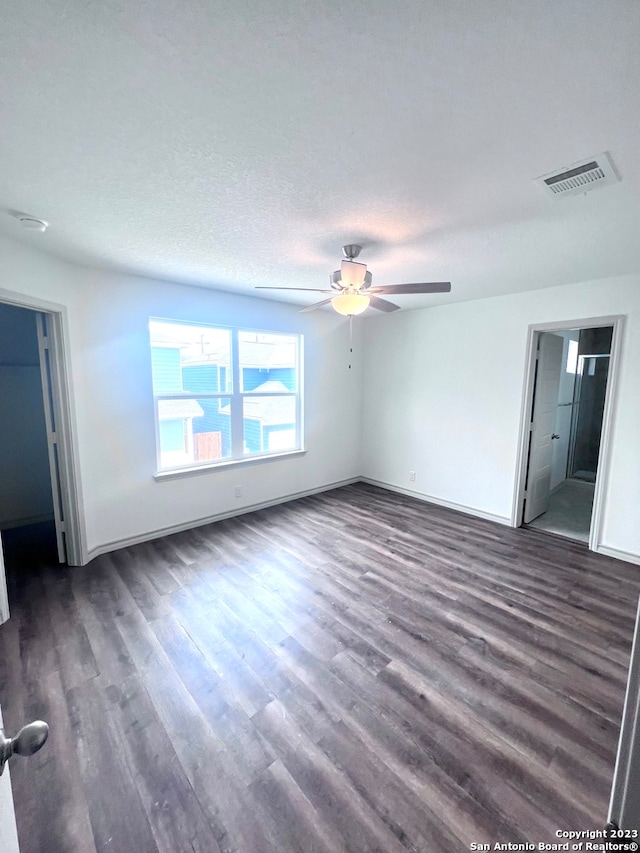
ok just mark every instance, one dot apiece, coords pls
pixel 412 476
pixel 238 491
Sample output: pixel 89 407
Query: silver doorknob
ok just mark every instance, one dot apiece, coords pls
pixel 555 435
pixel 29 739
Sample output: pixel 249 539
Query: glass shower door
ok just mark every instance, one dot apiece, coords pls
pixel 588 411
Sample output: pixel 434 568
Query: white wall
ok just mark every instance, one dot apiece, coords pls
pixel 107 317
pixel 442 393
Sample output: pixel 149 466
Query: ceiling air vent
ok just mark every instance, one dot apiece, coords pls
pixel 580 177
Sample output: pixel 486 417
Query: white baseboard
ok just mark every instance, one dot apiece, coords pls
pixel 573 482
pixel 463 508
pixel 199 522
pixel 468 510
pixel 584 483
pixel 627 556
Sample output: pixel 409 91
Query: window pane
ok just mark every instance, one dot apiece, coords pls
pixel 194 430
pixel 267 362
pixel 269 424
pixel 189 358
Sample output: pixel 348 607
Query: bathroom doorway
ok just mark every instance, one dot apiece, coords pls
pixel 568 405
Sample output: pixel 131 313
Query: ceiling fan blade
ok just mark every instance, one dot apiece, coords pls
pixel 314 306
pixel 308 289
pixel 418 287
pixel 382 304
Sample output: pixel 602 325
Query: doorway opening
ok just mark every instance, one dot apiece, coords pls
pixel 28 491
pixel 39 488
pixel 568 404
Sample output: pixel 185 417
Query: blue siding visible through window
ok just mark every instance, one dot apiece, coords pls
pixel 252 435
pixel 200 378
pixel 165 369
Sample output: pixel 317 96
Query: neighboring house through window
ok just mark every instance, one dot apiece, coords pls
pixel 223 394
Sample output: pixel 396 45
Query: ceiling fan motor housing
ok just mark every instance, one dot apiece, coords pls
pixel 351 274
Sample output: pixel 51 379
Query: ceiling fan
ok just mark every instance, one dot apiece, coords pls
pixel 355 293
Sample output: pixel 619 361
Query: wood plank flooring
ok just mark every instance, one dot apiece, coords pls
pixel 354 671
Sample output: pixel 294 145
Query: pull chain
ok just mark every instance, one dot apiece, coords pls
pixel 350 338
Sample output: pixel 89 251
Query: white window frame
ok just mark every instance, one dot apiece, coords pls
pixel 236 397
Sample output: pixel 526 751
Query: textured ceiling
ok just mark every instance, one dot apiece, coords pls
pixel 238 143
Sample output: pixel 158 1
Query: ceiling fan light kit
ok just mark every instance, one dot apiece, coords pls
pixel 354 281
pixel 350 303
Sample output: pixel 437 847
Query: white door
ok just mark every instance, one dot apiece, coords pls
pixel 8 832
pixel 46 374
pixel 624 806
pixel 545 403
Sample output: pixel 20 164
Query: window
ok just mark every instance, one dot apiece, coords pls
pixel 572 357
pixel 223 394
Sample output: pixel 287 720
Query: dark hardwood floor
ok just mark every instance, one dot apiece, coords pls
pixel 353 671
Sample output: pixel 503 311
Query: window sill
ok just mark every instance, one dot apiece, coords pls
pixel 174 473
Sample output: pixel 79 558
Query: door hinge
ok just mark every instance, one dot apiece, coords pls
pixel 45 342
